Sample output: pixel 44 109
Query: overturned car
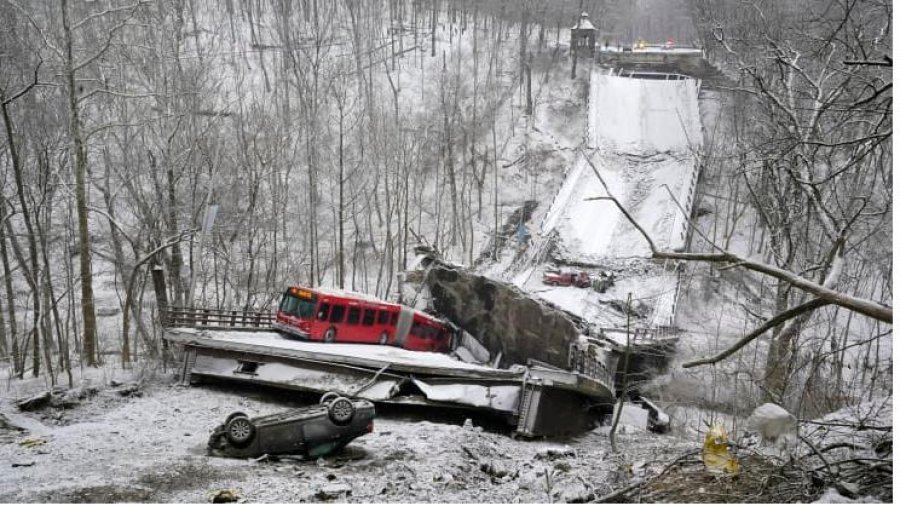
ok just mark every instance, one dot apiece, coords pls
pixel 310 432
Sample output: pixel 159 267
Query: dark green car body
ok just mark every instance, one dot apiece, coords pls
pixel 310 432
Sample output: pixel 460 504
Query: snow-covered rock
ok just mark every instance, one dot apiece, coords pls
pixel 772 422
pixel 334 491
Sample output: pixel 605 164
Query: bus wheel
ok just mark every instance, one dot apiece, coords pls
pixel 330 335
pixel 383 338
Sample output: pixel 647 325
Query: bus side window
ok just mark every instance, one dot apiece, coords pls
pixel 323 311
pixel 353 316
pixel 337 313
pixel 384 317
pixel 394 319
pixel 368 317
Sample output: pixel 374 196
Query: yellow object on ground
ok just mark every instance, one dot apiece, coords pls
pixel 716 457
pixel 32 442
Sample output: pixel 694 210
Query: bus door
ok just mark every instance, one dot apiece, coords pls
pixel 404 323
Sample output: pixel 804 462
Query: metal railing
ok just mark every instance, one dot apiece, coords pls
pixel 207 318
pixel 592 360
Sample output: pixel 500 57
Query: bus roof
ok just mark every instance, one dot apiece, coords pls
pixel 338 292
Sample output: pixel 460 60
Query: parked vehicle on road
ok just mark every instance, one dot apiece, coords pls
pixel 557 278
pixel 603 282
pixel 310 432
pixel 331 315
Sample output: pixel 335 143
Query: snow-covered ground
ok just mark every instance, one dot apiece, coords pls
pixel 153 448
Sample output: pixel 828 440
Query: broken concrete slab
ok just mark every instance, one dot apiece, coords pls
pixel 502 317
pixel 34 402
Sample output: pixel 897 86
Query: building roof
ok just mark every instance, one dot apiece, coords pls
pixel 584 23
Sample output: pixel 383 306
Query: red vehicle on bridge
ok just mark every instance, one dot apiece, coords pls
pixel 557 278
pixel 331 315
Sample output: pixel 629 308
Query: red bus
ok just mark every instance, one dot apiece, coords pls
pixel 337 316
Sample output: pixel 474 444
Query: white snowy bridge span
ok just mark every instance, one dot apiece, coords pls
pixel 640 144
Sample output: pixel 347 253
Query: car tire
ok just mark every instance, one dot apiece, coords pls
pixel 383 338
pixel 330 335
pixel 328 396
pixel 341 411
pixel 234 415
pixel 240 430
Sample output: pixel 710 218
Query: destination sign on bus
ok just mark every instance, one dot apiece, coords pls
pixel 303 294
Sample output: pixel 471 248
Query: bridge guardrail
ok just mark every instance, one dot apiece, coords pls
pixel 208 318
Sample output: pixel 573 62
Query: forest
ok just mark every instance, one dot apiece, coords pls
pixel 316 142
pixel 242 146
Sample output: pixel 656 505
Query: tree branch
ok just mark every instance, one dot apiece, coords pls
pixel 856 304
pixel 762 329
pixel 615 201
pixel 126 354
pixel 26 89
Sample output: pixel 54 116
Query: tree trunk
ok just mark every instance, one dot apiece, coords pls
pixel 11 307
pixel 529 105
pixel 89 317
pixel 340 224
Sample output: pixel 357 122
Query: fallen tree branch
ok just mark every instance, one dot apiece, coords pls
pixel 618 494
pixel 856 304
pixel 828 469
pixel 836 446
pixel 762 329
pixel 858 426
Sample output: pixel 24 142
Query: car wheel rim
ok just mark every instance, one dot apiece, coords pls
pixel 240 430
pixel 342 411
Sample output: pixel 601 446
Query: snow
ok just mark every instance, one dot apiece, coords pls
pixel 387 354
pixel 153 449
pixel 632 415
pixel 842 426
pixel 644 115
pixel 338 292
pixel 641 134
pixel 640 137
pixel 583 23
pixel 772 422
pixel 832 496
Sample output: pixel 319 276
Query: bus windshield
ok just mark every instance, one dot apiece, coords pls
pixel 301 308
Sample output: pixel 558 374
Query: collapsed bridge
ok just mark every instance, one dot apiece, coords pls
pixel 558 375
pixel 537 399
pixel 555 381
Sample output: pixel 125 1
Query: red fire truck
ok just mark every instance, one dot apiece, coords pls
pixel 331 315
